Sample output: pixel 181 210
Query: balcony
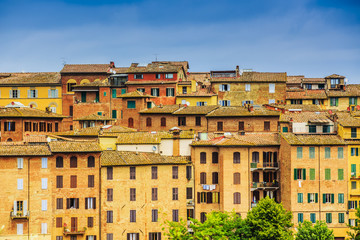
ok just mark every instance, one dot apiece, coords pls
pixel 73 231
pixel 19 215
pixel 270 166
pixel 253 205
pixel 264 186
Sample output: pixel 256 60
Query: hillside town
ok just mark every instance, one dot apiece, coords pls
pixel 98 151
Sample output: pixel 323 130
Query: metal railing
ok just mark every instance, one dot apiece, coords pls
pixel 264 165
pixel 19 214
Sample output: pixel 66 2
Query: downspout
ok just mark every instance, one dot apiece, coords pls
pixel 250 173
pixel 28 206
pixel 100 197
pixel 319 185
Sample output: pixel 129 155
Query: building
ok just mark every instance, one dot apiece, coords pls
pixel 35 90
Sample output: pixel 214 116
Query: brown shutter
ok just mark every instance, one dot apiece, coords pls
pixel 86 203
pixel 159 236
pixel 68 203
pixel 208 197
pixel 128 236
pixel 198 197
pixel 77 203
pixel 94 203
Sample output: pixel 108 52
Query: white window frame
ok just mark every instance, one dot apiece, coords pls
pixel 224 103
pixel 20 184
pixel 169 75
pixel 312 198
pixel 271 101
pixel 170 92
pixel 247 87
pixel 53 109
pixel 90 203
pixel 53 93
pixel 271 87
pixel 32 93
pixel 224 87
pixel 43 205
pixel 327 198
pixel 44 183
pixel 157 90
pixel 133 236
pixel 20 163
pixel 43 228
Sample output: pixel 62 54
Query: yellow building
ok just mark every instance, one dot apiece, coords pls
pixel 192 94
pixel 35 90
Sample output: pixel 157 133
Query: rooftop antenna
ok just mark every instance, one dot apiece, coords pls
pixel 156 57
pixel 63 61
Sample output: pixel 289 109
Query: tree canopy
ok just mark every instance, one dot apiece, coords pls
pixel 318 231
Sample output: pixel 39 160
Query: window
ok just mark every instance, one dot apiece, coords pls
pixel 352 204
pixel 353 185
pixel 73 162
pixel 299 173
pixel 340 174
pixel 300 198
pixel 154 194
pixel 133 236
pixel 154 174
pixel 175 172
pixel 184 90
pixel 44 162
pixel 109 236
pixel 58 222
pixel 224 87
pixel 14 93
pixel 20 229
pixel 341 198
pixel 202 217
pixel 109 194
pixel 72 203
pixel 132 173
pixel 148 122
pixel 42 127
pixel 188 172
pixel 90 203
pixel 308 86
pixel 131 104
pixel 271 88
pixel 334 101
pixel 155 236
pixel 202 178
pixel 182 121
pixel 237 199
pixel 241 126
pixel 334 82
pixel 312 128
pixel 299 151
pixel 353 133
pixel 59 203
pixel 20 163
pixel 353 170
pixel 327 174
pixel 197 121
pixel 154 215
pixel 130 122
pixel 91 161
pixel 326 129
pixel 311 152
pixel 170 92
pixel 20 184
pixel 224 103
pixel 341 218
pixel 312 197
pixel 340 152
pixel 247 87
pixel 27 126
pixel 155 92
pixel 328 218
pixel 44 183
pixel 132 215
pixel 71 111
pixel 255 157
pixel 266 125
pixel 109 173
pixel 175 194
pixel 138 76
pixel 43 205
pixel 169 75
pixel 236 178
pixel 300 217
pixel 327 152
pixel 189 213
pixel 91 181
pixel 352 101
pixel 203 157
pixel 312 217
pixel 215 157
pixel 328 198
pixel 59 162
pixel 73 181
pixel 43 228
pixel 201 104
pixel 163 122
pixel 132 194
pixel 175 215
pixel 220 126
pixel 271 101
pixel 312 173
pixel 90 222
pixel 59 181
pixel 109 216
pixel 157 75
pixel 189 194
pixel 215 178
pixel 9 126
pixel 236 157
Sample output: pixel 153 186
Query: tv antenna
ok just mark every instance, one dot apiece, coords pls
pixel 156 57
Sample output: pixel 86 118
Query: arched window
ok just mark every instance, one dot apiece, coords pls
pixel 9 140
pixel 236 157
pixel 91 161
pixel 203 157
pixel 70 83
pixel 237 198
pixel 255 157
pixel 215 157
pixel 203 178
pixel 163 122
pixel 73 162
pixel 148 122
pixel 59 162
pixel 130 122
pixel 236 178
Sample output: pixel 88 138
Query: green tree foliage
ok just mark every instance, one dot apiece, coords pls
pixel 269 220
pixel 354 232
pixel 318 231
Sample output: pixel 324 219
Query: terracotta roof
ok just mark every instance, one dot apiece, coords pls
pixel 184 64
pixel 305 107
pixel 149 137
pixel 254 77
pixel 313 80
pixel 162 109
pixel 154 82
pixel 198 93
pixel 85 68
pixel 305 117
pixel 335 76
pixel 94 117
pixel 240 111
pixel 312 139
pixel 74 146
pixel 184 83
pixel 39 78
pixel 195 110
pixel 135 94
pixel 156 67
pixel 249 139
pixel 94 131
pixel 294 79
pixel 119 70
pixel 120 158
pixel 306 94
pixel 24 150
pixel 346 120
pixel 23 112
pixel 101 83
pixel 199 76
pixel 351 90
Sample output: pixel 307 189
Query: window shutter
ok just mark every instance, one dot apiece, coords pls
pixel 228 103
pixel 304 173
pixel 340 174
pixel 19 229
pixel 43 205
pixel 295 174
pixel 68 203
pixel 44 162
pixel 49 93
pixel 337 101
pixel 316 197
pixel 86 203
pixel 28 94
pixel 355 204
pixel 15 207
pixel 10 93
pixel 312 174
pixel 340 152
pixel 198 197
pixel 36 93
pixel 324 198
pixel 77 203
pixel 25 207
pixel 228 87
pixel 44 183
pixel 349 204
pixel 308 197
pixel 332 198
pixel 94 203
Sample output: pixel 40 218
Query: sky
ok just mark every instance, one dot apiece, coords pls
pixel 315 38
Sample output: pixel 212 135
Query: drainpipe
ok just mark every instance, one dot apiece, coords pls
pixel 28 206
pixel 100 197
pixel 319 184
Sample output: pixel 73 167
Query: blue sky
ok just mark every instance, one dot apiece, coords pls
pixel 314 38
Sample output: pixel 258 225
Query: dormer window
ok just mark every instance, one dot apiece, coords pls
pixel 169 76
pixel 334 82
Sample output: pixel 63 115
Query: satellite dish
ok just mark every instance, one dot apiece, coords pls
pixel 154 148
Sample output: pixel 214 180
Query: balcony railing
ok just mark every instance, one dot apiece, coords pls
pixel 74 231
pixel 264 185
pixel 264 166
pixel 19 215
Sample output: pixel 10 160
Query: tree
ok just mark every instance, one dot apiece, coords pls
pixel 318 231
pixel 354 232
pixel 177 230
pixel 269 220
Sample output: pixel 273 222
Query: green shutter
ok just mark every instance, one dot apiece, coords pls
pixel 355 100
pixel 295 174
pixel 337 101
pixel 97 97
pixel 332 198
pixel 357 151
pixel 327 152
pixel 285 129
pixel 304 173
pixel 350 100
pixel 300 197
pixel 341 197
pixel 114 114
pixel 299 152
pixel 312 173
pixel 123 91
pixel 131 104
pixel 349 204
pixel 308 197
pixel 341 218
pixel 311 152
pixel 113 93
pixel 312 217
pixel 341 174
pixel 340 152
pixel 300 217
pixel 316 197
pixel 327 174
pixel 353 170
pixel 83 96
pixel 324 198
pixel 104 94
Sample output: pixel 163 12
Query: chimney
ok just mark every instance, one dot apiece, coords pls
pixel 112 64
pixel 237 71
pixel 134 65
